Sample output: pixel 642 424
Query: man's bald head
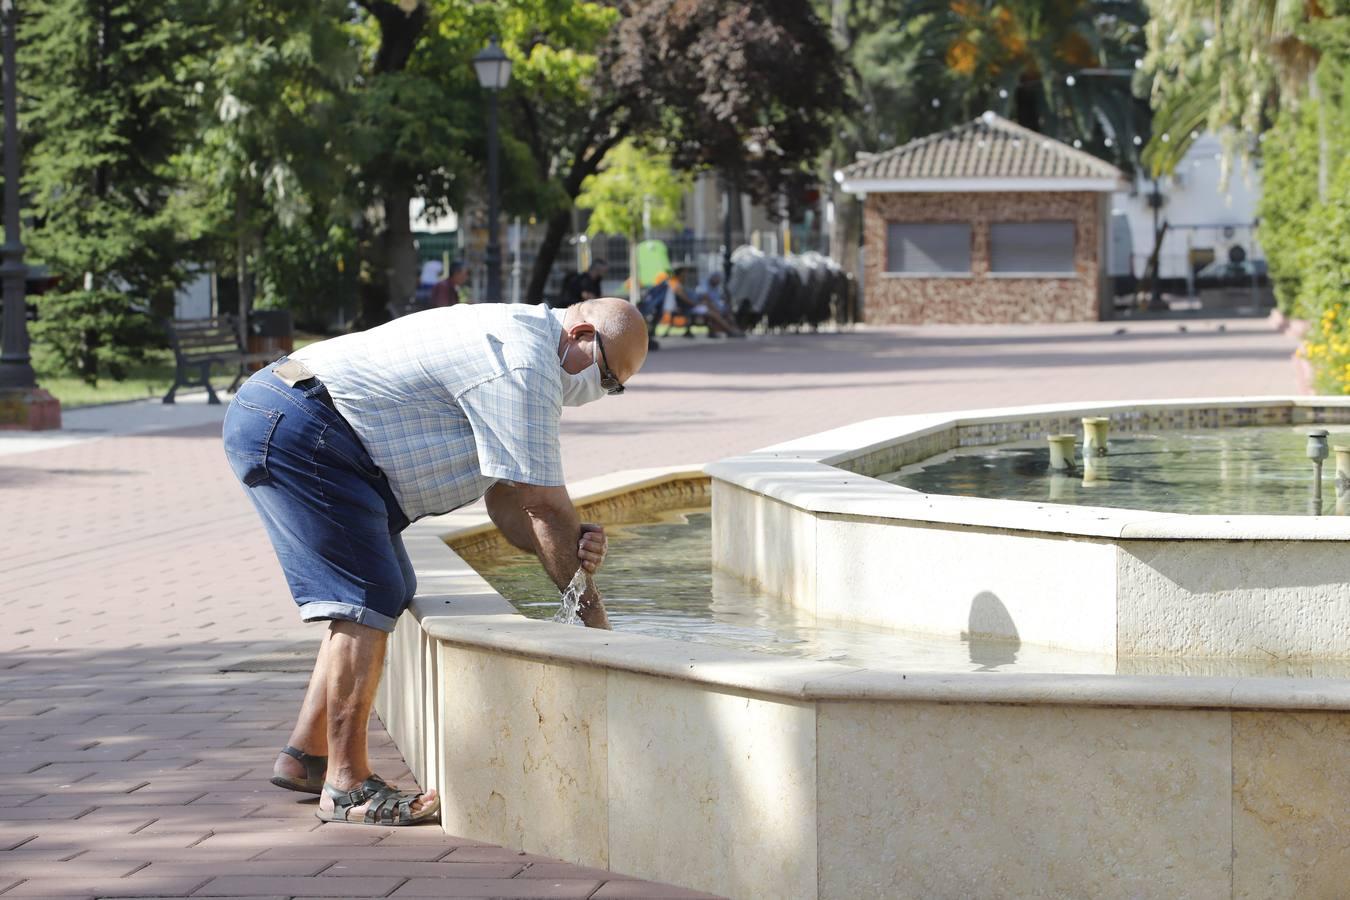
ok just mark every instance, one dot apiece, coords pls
pixel 621 328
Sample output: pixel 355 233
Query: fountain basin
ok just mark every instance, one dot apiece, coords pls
pixel 749 775
pixel 805 521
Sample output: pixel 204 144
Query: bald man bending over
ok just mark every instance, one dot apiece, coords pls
pixel 347 441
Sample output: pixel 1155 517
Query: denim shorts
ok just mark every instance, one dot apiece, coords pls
pixel 328 509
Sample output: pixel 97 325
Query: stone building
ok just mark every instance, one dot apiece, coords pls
pixel 985 222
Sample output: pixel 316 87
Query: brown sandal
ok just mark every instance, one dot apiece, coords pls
pixel 316 769
pixel 388 805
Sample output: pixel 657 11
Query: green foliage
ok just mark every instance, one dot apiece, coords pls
pixel 107 107
pixel 309 268
pixel 633 186
pixel 895 84
pixel 1060 67
pixel 725 84
pixel 1324 285
pixel 1230 68
pixel 1289 190
pixel 270 147
pixel 1304 236
pixel 95 334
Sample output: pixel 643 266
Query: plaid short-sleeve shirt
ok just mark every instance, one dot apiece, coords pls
pixel 447 401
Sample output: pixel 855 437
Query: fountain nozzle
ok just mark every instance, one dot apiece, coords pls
pixel 1094 435
pixel 1318 448
pixel 1061 451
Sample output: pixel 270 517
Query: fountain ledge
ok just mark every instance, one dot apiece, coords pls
pixel 745 775
pixel 803 521
pixel 813 473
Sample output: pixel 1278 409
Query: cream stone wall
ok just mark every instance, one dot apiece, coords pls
pixel 751 775
pixel 1042 589
pixel 927 800
pixel 1202 598
pixel 712 789
pixel 1291 804
pixel 768 544
pixel 982 297
pixel 840 786
pixel 525 752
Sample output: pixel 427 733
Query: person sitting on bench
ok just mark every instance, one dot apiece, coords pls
pixel 694 309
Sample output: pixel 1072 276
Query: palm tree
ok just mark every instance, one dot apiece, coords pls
pixel 1063 68
pixel 1226 67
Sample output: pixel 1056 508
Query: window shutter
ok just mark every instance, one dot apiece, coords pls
pixel 931 248
pixel 1031 247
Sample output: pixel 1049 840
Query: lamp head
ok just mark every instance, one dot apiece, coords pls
pixel 492 66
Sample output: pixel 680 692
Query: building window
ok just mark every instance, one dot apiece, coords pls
pixel 1031 248
pixel 928 248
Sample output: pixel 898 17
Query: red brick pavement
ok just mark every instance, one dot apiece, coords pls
pixel 135 571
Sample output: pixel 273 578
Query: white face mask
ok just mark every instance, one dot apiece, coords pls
pixel 584 386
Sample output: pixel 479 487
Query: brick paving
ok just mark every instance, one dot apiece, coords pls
pixel 139 715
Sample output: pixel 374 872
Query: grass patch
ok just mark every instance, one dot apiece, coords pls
pixel 150 379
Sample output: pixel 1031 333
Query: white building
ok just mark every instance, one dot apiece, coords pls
pixel 1207 219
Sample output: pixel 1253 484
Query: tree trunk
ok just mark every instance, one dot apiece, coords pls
pixel 400 255
pixel 548 252
pixel 390 260
pixel 241 243
pixel 587 163
pixel 372 295
pixel 634 285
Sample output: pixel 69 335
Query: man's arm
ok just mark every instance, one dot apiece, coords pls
pixel 506 513
pixel 504 508
pixel 543 519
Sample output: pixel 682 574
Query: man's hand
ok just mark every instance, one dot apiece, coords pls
pixel 592 547
pixel 591 609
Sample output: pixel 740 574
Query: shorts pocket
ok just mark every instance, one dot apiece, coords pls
pixel 343 446
pixel 247 435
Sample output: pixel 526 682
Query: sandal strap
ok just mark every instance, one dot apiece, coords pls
pixel 316 767
pixel 384 809
pixel 388 805
pixel 343 801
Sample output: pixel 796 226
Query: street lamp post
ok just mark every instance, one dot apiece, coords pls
pixel 15 370
pixel 22 403
pixel 493 68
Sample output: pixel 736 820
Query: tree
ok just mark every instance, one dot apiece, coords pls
pixel 1063 68
pixel 1288 192
pixel 107 107
pixel 634 189
pixel 749 89
pixel 1226 68
pixel 271 148
pixel 559 110
pixel 390 101
pixel 416 119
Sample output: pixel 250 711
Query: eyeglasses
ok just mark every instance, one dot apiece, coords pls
pixel 607 379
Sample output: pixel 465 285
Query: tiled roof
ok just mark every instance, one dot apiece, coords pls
pixel 989 147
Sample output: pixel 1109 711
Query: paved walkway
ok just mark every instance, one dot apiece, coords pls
pixel 149 669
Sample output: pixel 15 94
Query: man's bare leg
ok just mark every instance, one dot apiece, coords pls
pixel 353 661
pixel 310 734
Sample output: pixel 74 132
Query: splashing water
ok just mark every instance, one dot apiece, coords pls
pixel 569 612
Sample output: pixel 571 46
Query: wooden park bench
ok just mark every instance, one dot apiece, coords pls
pixel 200 343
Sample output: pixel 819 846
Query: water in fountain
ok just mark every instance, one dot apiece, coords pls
pixel 659 581
pixel 1220 471
pixel 569 612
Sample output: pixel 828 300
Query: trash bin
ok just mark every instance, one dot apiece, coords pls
pixel 270 331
